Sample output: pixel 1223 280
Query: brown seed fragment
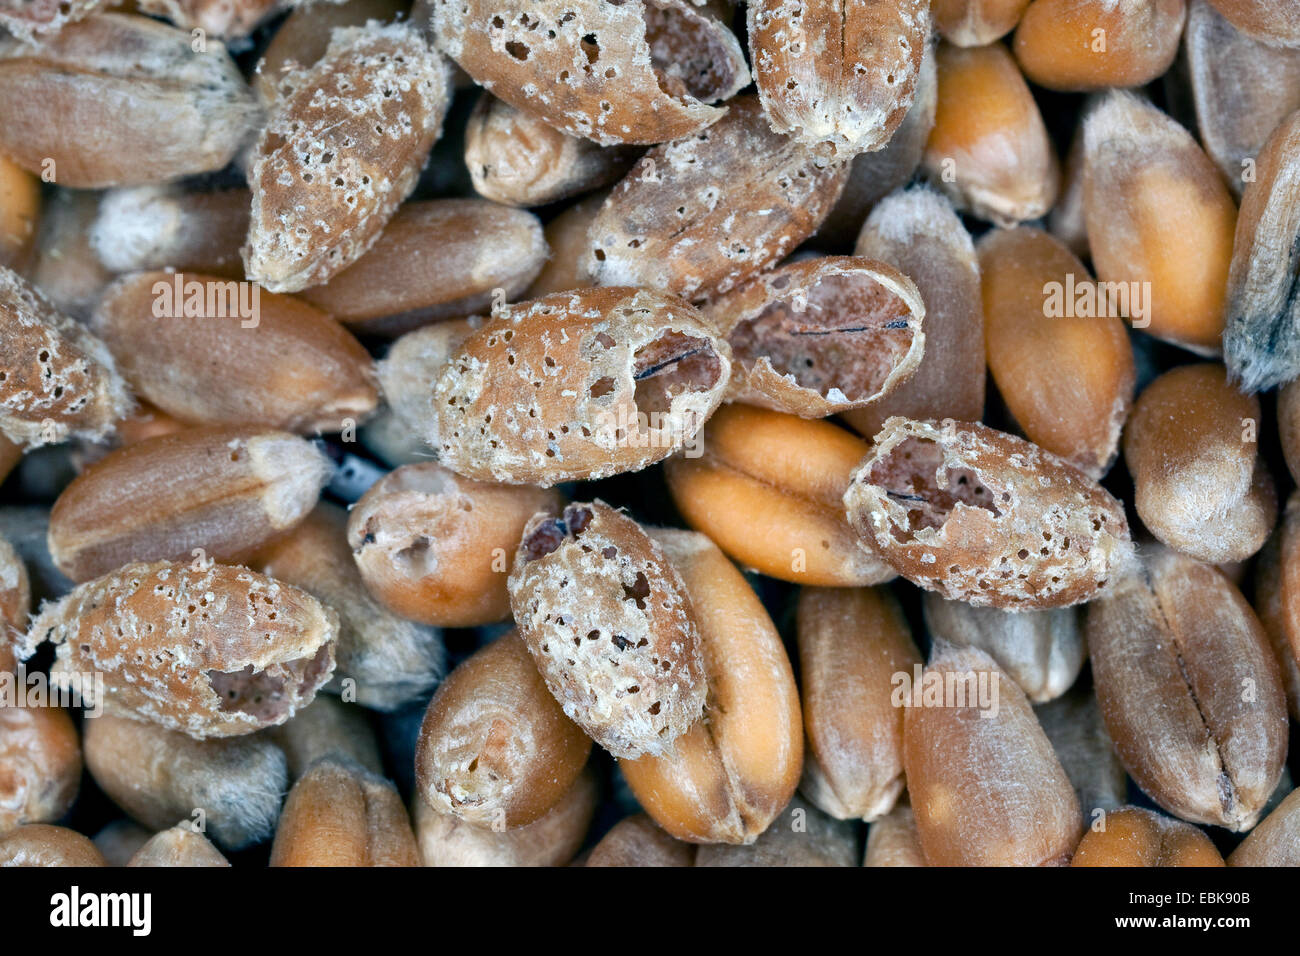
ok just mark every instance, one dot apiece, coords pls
pixel 26 18
pixel 409 373
pixel 15 604
pixel 1160 220
pixel 566 238
pixel 213 652
pixel 1262 307
pixel 976 22
pixel 917 232
pixel 1275 841
pixel 436 548
pixel 40 764
pixel 801 835
pixel 837 72
pixel 1137 837
pixel 1057 347
pixel 38 844
pixel 985 786
pixel 1190 691
pixel 327 726
pixel 57 380
pixel 989 150
pixel 614 73
pixel 157 227
pixel 181 845
pixel 120 840
pixel 238 356
pixel 731 773
pixel 608 619
pixel 438 259
pixel 241 488
pixel 1073 724
pixel 768 488
pixel 162 776
pixel 304 36
pixel 495 748
pixel 65 267
pixel 515 157
pixel 1277 599
pixel 1273 21
pixel 339 814
pixel 159 111
pixel 852 643
pixel 577 386
pixel 1192 448
pixel 675 224
pixel 984 517
pixel 341 152
pixel 20 211
pixel 873 176
pixel 386 660
pixel 1085 45
pixel 893 841
pixel 218 18
pixel 821 336
pixel 1042 651
pixel 1241 89
pixel 638 841
pixel 447 840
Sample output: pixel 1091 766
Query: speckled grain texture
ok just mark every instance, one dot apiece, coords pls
pixel 702 214
pixel 341 152
pixel 577 386
pixel 982 516
pixel 615 73
pixel 214 652
pixel 608 620
pixel 57 380
pixel 838 72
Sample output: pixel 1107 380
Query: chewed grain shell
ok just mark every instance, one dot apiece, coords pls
pixel 213 653
pixel 57 380
pixel 608 620
pixel 700 215
pixel 576 386
pixel 840 72
pixel 628 72
pixel 822 336
pixel 981 516
pixel 341 152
